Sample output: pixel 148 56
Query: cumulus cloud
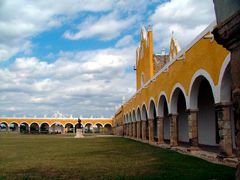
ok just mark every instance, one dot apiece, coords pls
pixel 186 18
pixel 105 28
pixel 86 83
pixel 20 20
pixel 125 41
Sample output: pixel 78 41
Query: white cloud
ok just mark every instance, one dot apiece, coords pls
pixel 125 41
pixel 186 18
pixel 71 84
pixel 104 28
pixel 20 20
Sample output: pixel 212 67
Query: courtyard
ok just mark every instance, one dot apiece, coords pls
pixel 110 157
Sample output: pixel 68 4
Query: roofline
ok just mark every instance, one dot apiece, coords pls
pixel 209 28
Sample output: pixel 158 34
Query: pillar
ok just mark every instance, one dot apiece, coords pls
pixel 173 130
pixel 193 127
pixel 73 129
pixel 160 130
pixel 134 129
pixel 150 130
pixel 224 127
pixel 144 129
pixel 138 129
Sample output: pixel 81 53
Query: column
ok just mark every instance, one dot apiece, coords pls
pixel 150 130
pixel 138 129
pixel 224 127
pixel 134 129
pixel 193 127
pixel 144 129
pixel 73 129
pixel 160 130
pixel 173 130
pixel 19 129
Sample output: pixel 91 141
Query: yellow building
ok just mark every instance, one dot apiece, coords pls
pixel 55 125
pixel 183 98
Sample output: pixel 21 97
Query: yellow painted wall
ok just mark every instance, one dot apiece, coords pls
pixel 63 121
pixel 203 54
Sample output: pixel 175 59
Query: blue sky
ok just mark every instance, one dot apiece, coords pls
pixel 76 57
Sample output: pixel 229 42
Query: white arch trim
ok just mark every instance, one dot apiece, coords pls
pixel 134 118
pixel 201 72
pixel 149 106
pixel 162 93
pixel 138 118
pixel 44 123
pixel 171 103
pixel 144 104
pixel 220 78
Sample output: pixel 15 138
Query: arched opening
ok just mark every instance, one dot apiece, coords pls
pixel 153 116
pixel 34 128
pixel 13 127
pixel 140 122
pixel 88 128
pixel 207 121
pixel 178 107
pixel 44 128
pixel 98 128
pixel 108 128
pixel 182 119
pixel 145 118
pixel 3 127
pixel 24 127
pixel 69 128
pixel 225 97
pixel 57 128
pixel 134 124
pixel 166 121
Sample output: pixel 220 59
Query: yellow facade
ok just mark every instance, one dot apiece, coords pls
pixel 61 121
pixel 202 57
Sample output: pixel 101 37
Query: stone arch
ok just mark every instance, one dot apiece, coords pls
pixel 34 127
pixel 144 114
pixel 88 127
pixel 138 114
pixel 4 126
pixel 144 117
pixel 224 82
pixel 194 88
pixel 178 106
pixel 127 118
pixel 174 97
pixel 69 128
pixel 99 126
pixel 164 112
pixel 130 117
pixel 207 120
pixel 153 116
pixel 57 128
pixel 182 118
pixel 108 128
pixel 140 122
pixel 13 126
pixel 133 115
pixel 44 128
pixel 24 127
pixel 161 99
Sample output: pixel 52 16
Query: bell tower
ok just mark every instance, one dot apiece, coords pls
pixel 144 58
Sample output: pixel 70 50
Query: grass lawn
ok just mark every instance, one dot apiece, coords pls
pixel 63 157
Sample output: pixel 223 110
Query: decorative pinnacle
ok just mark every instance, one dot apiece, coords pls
pixel 149 28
